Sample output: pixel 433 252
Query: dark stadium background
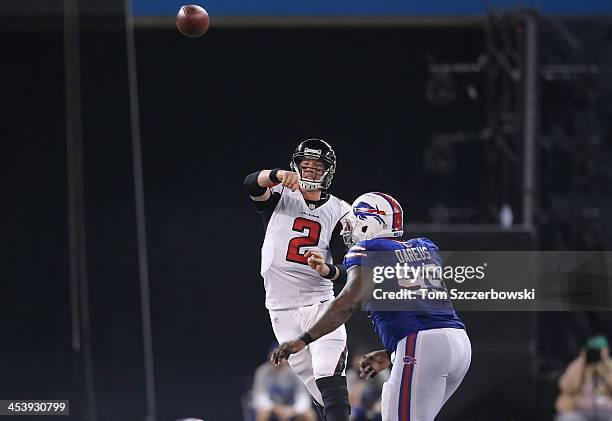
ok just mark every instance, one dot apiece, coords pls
pixel 212 111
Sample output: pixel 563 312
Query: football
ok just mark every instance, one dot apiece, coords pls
pixel 192 21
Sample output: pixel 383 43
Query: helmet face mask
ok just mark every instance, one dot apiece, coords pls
pixel 348 226
pixel 314 181
pixel 319 150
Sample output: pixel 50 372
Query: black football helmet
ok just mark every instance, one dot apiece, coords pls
pixel 315 149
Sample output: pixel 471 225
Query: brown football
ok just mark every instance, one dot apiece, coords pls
pixel 192 20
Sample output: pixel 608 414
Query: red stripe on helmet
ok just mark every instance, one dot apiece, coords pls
pixel 397 211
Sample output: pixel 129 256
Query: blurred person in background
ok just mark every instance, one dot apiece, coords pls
pixel 586 385
pixel 365 390
pixel 278 395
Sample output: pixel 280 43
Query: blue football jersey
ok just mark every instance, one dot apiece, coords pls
pixel 401 318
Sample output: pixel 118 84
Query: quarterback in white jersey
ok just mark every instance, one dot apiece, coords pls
pixel 302 218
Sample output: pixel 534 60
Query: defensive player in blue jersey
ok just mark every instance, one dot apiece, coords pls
pixel 424 339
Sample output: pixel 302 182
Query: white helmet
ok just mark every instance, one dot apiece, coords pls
pixel 374 215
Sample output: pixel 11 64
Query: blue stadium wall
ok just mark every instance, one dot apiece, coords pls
pixel 368 7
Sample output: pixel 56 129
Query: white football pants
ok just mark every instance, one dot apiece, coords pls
pixel 322 358
pixel 428 367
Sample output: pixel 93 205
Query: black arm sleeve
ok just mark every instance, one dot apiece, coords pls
pixel 263 207
pixel 251 185
pixel 338 250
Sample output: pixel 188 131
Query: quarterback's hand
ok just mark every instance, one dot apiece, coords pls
pixel 317 262
pixel 288 179
pixel 373 363
pixel 285 349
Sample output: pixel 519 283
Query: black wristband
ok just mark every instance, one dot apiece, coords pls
pixel 306 338
pixel 341 279
pixel 273 177
pixel 333 270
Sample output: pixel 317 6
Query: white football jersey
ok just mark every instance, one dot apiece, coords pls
pixel 292 230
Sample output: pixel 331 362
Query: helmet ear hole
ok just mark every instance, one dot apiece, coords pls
pixel 364 229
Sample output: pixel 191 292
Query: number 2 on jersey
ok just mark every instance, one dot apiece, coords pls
pixel 314 232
